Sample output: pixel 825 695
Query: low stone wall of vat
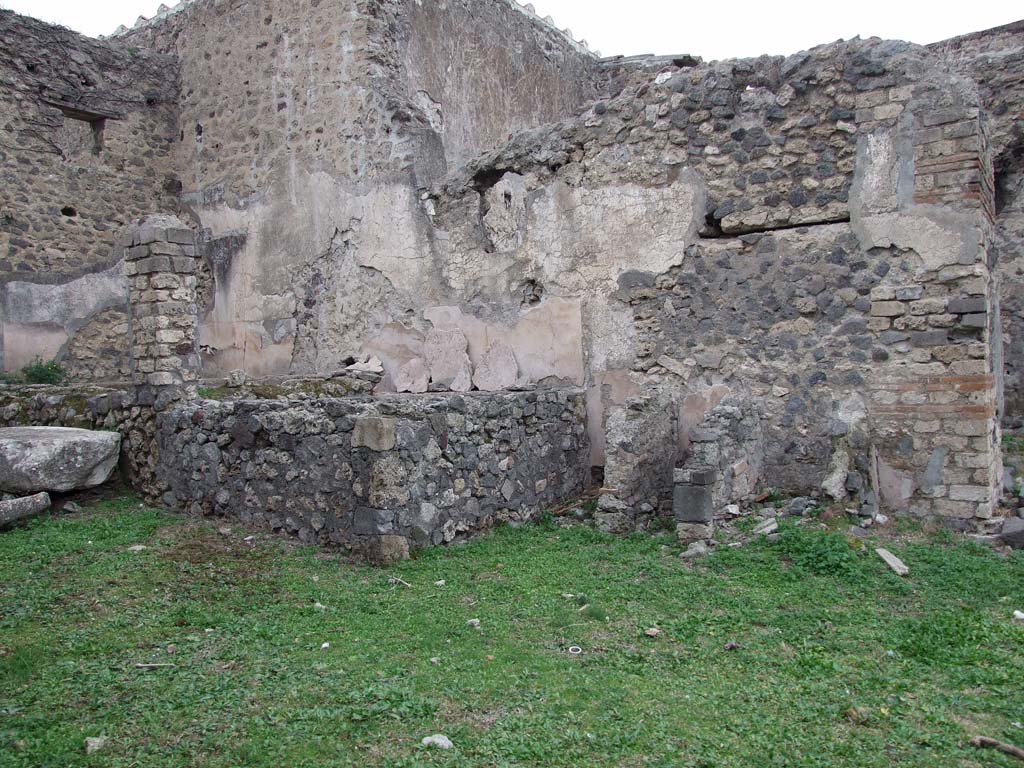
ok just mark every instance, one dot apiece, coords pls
pixel 128 410
pixel 378 475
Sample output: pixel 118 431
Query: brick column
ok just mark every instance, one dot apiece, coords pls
pixel 160 265
pixel 934 389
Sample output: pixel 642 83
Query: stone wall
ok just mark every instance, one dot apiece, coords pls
pixel 512 72
pixel 425 468
pixel 734 227
pixel 308 131
pixel 995 59
pixel 85 144
pixel 730 442
pixel 129 411
pixel 829 235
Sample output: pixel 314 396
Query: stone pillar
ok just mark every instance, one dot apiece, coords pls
pixel 925 191
pixel 692 504
pixel 160 266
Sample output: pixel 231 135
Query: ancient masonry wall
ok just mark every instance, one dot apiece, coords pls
pixel 807 233
pixel 85 143
pixel 826 238
pixel 935 408
pixel 307 132
pixel 377 474
pixel 995 60
pixel 514 72
pixel 640 458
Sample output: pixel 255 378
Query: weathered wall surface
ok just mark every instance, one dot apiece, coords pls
pixel 307 131
pixel 483 71
pixel 641 454
pixel 282 128
pixel 995 60
pixel 349 471
pixel 84 147
pixel 804 231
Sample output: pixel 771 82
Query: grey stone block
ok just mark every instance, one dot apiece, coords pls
pixel 929 338
pixel 692 504
pixel 374 432
pixel 974 321
pixel 1012 533
pixel 368 521
pixel 967 306
pixel 700 476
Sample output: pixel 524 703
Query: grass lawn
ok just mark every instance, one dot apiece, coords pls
pixel 803 652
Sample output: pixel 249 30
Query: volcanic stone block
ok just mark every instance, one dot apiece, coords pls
pixel 692 503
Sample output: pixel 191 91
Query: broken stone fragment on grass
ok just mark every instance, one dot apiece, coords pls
pixel 94 744
pixel 696 549
pixel 13 510
pixel 768 526
pixel 474 623
pixel 652 632
pixel 892 561
pixel 437 740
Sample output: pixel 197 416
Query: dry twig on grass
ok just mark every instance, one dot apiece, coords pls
pixel 999 746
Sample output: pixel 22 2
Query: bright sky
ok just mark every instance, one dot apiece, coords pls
pixel 708 29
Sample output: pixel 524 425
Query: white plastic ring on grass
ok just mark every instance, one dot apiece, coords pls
pixel 575 650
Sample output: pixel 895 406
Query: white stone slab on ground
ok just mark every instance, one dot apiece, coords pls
pixel 892 561
pixel 55 459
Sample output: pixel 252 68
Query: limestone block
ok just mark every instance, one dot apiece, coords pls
pixel 34 459
pixel 27 506
pixel 374 432
pixel 970 493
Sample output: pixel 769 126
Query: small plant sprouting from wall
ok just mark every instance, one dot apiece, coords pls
pixel 39 372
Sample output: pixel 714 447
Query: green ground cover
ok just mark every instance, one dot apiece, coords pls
pixel 802 652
